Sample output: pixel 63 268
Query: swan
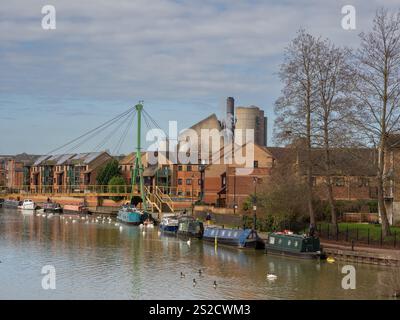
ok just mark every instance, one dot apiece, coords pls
pixel 194 282
pixel 215 284
pixel 271 276
pixel 188 242
pixel 120 228
pixel 182 275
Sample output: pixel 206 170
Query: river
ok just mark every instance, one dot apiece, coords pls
pixel 101 261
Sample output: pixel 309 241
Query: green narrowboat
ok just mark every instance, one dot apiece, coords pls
pixel 288 244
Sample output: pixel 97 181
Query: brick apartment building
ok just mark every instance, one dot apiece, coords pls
pixel 66 172
pixel 352 172
pixel 18 170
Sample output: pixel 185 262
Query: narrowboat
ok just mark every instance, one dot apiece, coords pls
pixel 11 204
pixel 242 238
pixel 52 207
pixel 289 244
pixel 191 227
pixel 169 223
pixel 130 215
pixel 75 209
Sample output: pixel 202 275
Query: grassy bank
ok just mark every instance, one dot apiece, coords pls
pixel 360 232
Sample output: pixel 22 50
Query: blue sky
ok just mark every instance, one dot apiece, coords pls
pixel 183 58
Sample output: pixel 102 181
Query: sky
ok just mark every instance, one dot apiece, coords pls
pixel 182 58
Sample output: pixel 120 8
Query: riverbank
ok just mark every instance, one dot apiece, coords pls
pixel 362 254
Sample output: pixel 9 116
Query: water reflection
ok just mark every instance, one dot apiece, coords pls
pixel 103 261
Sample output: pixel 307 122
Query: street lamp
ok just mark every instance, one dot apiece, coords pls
pixel 255 181
pixel 192 194
pixel 202 168
pixel 234 192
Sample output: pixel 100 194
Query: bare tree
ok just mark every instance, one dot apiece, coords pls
pixel 333 109
pixel 296 106
pixel 378 91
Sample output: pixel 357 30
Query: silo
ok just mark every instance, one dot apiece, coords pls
pixel 251 118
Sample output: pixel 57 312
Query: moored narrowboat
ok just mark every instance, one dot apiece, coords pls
pixel 52 207
pixel 289 244
pixel 191 227
pixel 242 238
pixel 11 204
pixel 75 209
pixel 169 223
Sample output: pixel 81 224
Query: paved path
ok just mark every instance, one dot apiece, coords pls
pixel 395 253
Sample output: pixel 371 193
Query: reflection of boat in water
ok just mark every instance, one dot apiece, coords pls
pixel 189 226
pixel 131 215
pixel 242 238
pixel 288 244
pixel 75 208
pixel 169 223
pixel 52 207
pixel 27 204
pixel 27 211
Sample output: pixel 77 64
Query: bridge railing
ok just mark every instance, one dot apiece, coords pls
pixel 165 194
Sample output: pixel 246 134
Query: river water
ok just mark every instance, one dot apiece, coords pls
pixel 101 261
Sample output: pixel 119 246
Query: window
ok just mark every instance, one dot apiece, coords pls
pixel 189 182
pixel 363 182
pixel 339 182
pixel 188 168
pixel 180 182
pixel 179 168
pixel 271 240
pixel 223 180
pixel 188 193
pixel 255 164
pixel 199 182
pixel 314 181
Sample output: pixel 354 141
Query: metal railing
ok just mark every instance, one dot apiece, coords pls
pixel 166 193
pixel 368 234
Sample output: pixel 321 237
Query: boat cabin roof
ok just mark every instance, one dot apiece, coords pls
pixel 228 233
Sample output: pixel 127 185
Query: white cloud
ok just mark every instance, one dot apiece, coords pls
pixel 161 50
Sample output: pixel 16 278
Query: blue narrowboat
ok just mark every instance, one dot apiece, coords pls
pixel 130 215
pixel 242 238
pixel 289 244
pixel 169 223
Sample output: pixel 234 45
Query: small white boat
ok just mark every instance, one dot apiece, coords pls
pixel 27 205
